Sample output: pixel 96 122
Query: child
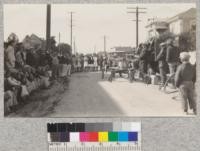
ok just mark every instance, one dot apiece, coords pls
pixel 184 79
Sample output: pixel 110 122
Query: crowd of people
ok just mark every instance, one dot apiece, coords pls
pixel 89 62
pixel 172 65
pixel 28 69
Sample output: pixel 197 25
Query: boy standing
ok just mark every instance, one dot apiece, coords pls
pixel 185 78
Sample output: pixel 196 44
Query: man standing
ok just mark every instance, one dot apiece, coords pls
pixel 172 57
pixel 19 56
pixel 69 62
pixel 143 60
pixel 55 66
pixel 162 64
pixel 10 53
pixel 185 78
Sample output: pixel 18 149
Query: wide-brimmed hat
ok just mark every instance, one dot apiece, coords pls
pixel 184 56
pixel 12 38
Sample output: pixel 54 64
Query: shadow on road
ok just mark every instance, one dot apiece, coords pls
pixel 86 98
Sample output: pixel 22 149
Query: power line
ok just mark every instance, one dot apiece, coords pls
pixel 137 12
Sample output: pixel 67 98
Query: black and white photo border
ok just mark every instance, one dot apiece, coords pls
pixel 158 133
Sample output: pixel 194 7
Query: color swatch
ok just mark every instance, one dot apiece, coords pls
pixel 93 132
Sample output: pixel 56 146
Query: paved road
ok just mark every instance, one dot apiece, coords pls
pixel 88 95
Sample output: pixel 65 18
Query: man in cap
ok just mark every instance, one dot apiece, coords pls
pixel 185 78
pixel 172 57
pixel 162 64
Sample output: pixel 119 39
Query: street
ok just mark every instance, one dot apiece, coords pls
pixel 89 96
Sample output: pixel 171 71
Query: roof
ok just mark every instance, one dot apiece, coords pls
pixel 191 13
pixel 155 21
pixel 32 40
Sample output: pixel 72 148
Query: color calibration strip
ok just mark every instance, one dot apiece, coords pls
pixel 125 136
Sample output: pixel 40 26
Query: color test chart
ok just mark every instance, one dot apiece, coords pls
pixel 116 136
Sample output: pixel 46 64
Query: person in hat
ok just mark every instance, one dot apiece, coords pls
pixel 185 78
pixel 20 60
pixel 10 52
pixel 143 60
pixel 162 64
pixel 172 57
pixel 55 65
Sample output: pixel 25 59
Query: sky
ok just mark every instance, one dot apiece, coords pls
pixel 90 22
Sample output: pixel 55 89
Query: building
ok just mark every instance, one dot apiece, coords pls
pixel 33 41
pixel 178 24
pixel 157 27
pixel 183 22
pixel 121 51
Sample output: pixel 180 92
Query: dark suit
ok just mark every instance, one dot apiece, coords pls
pixel 162 64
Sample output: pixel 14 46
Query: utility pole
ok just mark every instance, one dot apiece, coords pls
pixel 59 43
pixel 74 46
pixel 104 39
pixel 48 28
pixel 136 12
pixel 71 27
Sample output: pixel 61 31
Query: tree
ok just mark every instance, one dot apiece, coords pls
pixel 65 49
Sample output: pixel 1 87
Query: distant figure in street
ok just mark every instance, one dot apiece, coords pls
pixel 69 64
pixel 100 62
pixel 55 66
pixel 162 64
pixel 95 63
pixel 85 63
pixel 82 62
pixel 78 63
pixel 185 78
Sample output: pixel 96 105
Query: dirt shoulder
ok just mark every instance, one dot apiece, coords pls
pixel 42 101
